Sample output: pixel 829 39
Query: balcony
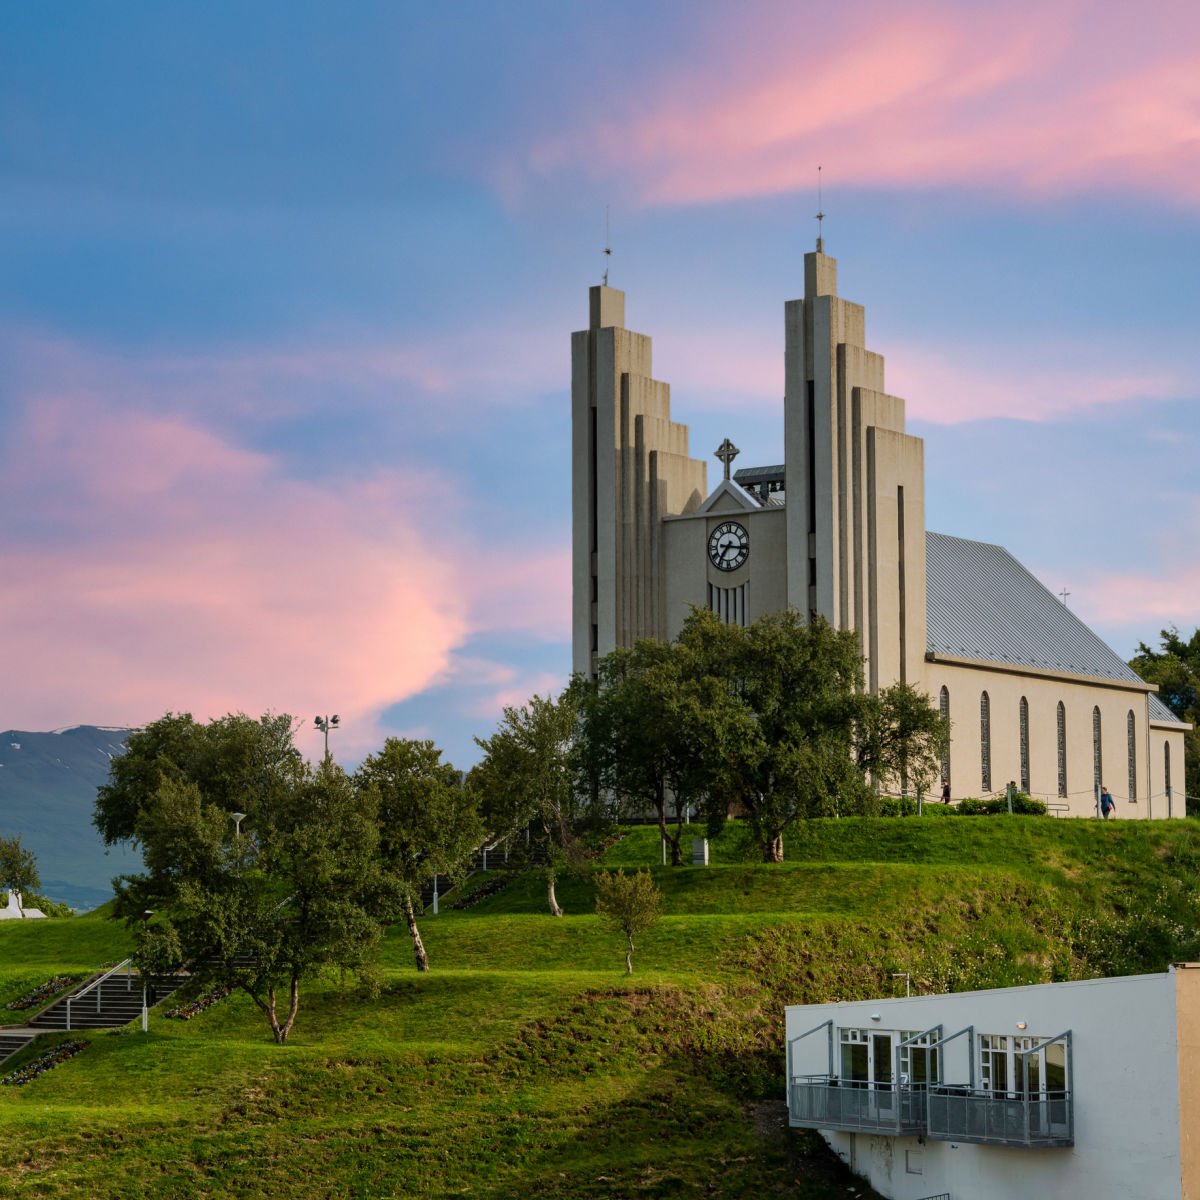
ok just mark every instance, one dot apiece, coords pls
pixel 960 1114
pixel 825 1102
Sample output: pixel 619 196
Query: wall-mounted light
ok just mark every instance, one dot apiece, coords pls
pixel 876 1017
pixel 1021 1025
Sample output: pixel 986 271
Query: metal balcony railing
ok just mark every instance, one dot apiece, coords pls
pixel 961 1114
pixel 825 1102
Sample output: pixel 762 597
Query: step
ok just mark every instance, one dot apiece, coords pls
pixel 10 1043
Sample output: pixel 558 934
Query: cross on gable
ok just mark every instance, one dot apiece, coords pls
pixel 727 452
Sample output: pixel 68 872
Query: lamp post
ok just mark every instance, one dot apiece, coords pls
pixel 325 724
pixel 237 818
pixel 146 915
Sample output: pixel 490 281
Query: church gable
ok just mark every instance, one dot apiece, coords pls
pixel 727 497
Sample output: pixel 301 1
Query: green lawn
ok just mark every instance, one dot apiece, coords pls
pixel 526 1064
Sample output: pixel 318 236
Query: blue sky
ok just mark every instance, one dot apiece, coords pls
pixel 286 294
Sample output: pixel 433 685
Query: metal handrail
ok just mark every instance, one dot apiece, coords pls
pixel 801 1037
pixel 95 986
pixel 915 1040
pixel 969 1030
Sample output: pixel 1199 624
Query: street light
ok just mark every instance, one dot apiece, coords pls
pixel 325 724
pixel 146 915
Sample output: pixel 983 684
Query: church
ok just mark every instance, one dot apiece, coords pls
pixel 838 529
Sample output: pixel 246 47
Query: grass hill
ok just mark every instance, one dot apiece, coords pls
pixel 48 785
pixel 526 1063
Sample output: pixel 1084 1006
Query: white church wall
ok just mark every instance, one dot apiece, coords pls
pixel 1043 693
pixel 1161 739
pixel 1125 1087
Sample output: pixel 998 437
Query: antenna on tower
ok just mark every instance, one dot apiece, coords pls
pixel 607 246
pixel 820 213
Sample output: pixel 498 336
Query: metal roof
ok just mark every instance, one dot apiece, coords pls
pixel 1160 712
pixel 983 604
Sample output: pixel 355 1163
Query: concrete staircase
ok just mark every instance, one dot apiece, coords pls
pixel 12 1040
pixel 114 1002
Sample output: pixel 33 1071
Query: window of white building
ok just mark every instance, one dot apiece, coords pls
pixel 985 742
pixel 1131 738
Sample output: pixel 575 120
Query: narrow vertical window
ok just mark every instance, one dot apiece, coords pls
pixel 944 709
pixel 1167 771
pixel 985 741
pixel 1097 756
pixel 1024 745
pixel 1062 749
pixel 1131 739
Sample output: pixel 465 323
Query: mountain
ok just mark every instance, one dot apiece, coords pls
pixel 48 785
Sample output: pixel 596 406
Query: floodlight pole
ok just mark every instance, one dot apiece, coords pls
pixel 324 724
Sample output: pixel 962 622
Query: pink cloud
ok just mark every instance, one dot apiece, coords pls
pixel 1138 604
pixel 151 565
pixel 1026 98
pixel 197 578
pixel 490 364
pixel 985 383
pixel 973 383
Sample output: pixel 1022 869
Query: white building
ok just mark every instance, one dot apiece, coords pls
pixel 14 910
pixel 837 528
pixel 1063 1089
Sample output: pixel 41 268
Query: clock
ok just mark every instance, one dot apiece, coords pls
pixel 728 546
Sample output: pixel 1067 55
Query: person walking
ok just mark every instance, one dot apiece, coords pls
pixel 1108 805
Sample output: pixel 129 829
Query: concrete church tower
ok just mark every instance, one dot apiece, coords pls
pixel 855 483
pixel 630 469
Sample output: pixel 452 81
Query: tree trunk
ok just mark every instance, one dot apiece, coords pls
pixel 629 958
pixel 418 946
pixel 772 848
pixel 660 803
pixel 293 1008
pixel 554 908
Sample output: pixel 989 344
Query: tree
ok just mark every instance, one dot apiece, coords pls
pixel 297 893
pixel 18 870
pixel 527 781
pixel 902 740
pixel 631 904
pixel 428 822
pixel 1176 670
pixel 240 764
pixel 642 729
pixel 781 745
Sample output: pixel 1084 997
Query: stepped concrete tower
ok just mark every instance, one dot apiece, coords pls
pixel 630 469
pixel 856 494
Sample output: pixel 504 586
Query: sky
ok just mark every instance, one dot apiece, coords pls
pixel 286 295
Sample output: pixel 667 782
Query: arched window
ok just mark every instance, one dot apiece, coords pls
pixel 944 709
pixel 1062 748
pixel 985 741
pixel 1097 756
pixel 1024 745
pixel 1131 738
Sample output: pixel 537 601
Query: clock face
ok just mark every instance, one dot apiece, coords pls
pixel 728 546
